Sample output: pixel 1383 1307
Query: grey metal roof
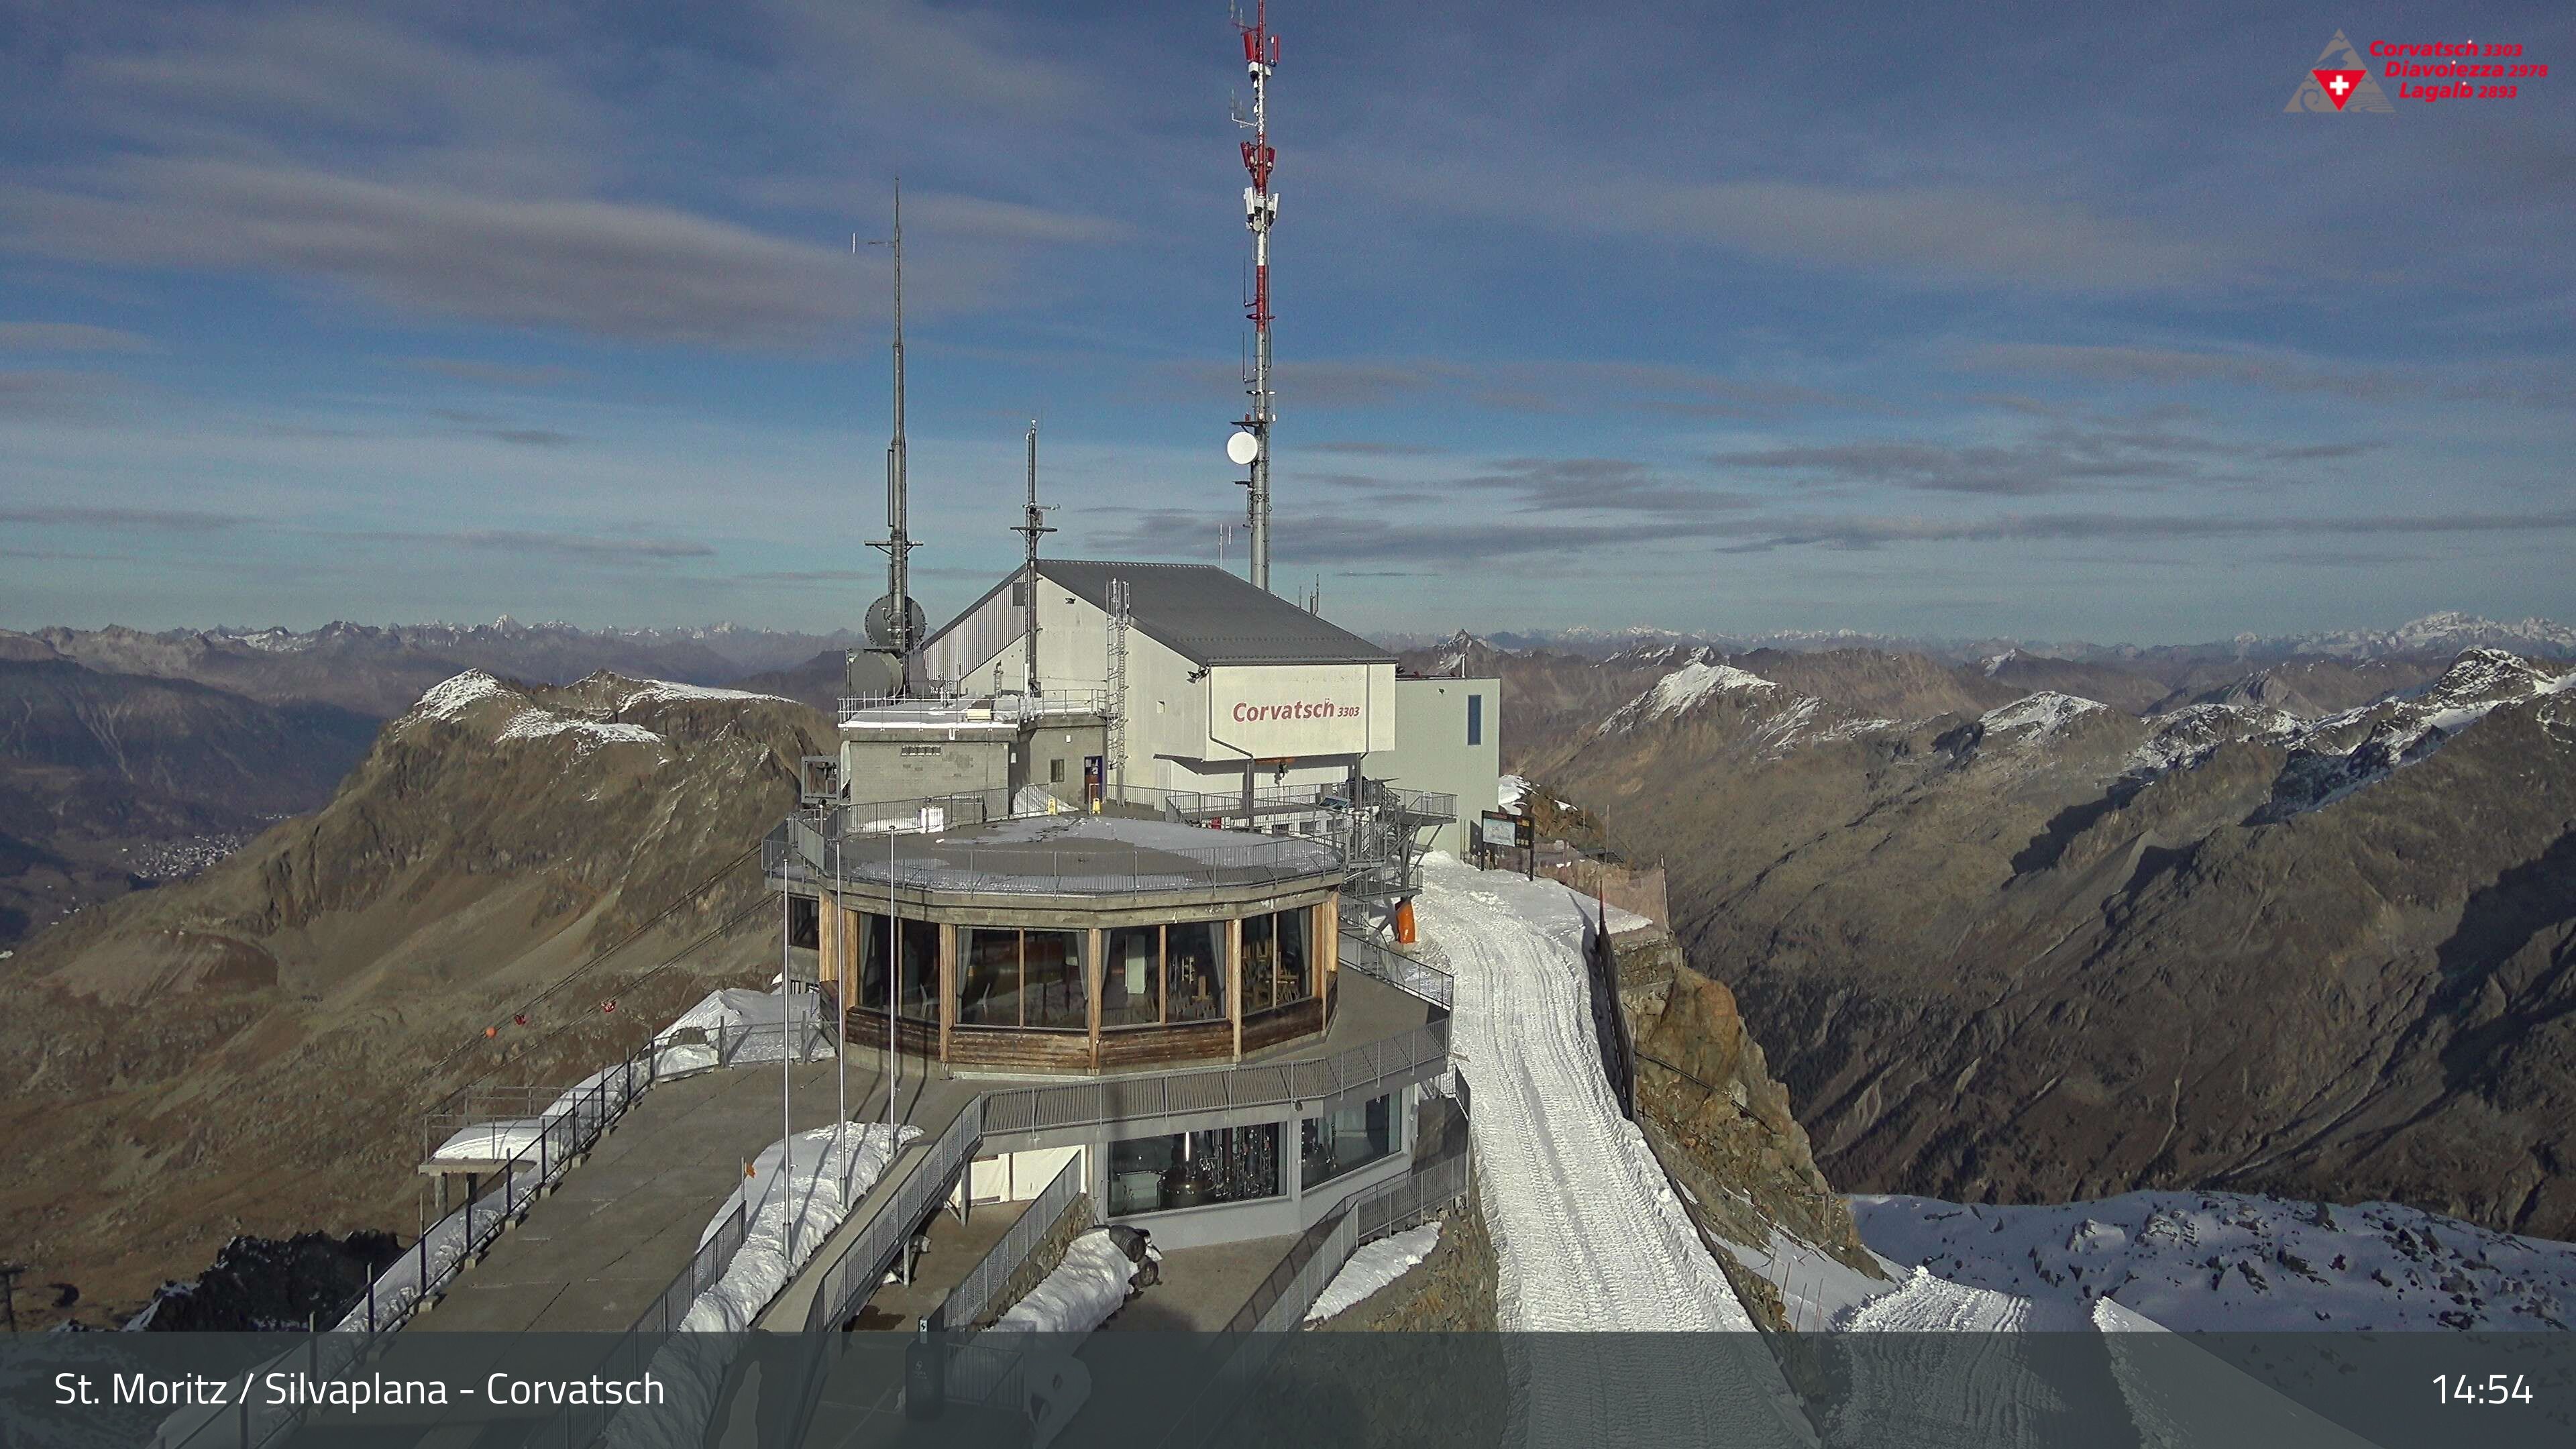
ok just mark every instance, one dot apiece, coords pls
pixel 1209 616
pixel 1202 613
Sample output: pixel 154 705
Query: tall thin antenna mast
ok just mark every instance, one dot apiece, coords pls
pixel 1260 212
pixel 1033 525
pixel 898 631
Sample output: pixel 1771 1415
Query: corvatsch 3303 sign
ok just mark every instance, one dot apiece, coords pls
pixel 1295 711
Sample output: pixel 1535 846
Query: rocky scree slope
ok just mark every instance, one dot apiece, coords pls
pixel 2054 951
pixel 248 1051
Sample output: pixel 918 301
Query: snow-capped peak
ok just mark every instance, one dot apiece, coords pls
pixel 1684 688
pixel 2044 714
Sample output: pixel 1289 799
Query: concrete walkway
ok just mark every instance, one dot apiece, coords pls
pixel 622 1225
pixel 1202 1287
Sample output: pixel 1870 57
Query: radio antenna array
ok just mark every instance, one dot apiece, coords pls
pixel 894 625
pixel 1033 526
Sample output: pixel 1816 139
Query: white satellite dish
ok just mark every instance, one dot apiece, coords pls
pixel 1243 447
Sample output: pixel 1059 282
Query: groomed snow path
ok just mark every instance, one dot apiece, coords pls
pixel 1590 1236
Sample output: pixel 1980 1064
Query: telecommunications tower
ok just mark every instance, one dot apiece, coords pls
pixel 1251 446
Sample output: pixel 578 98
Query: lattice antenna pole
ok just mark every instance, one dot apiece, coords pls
pixel 1260 213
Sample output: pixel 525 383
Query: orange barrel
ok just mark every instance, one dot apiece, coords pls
pixel 1404 934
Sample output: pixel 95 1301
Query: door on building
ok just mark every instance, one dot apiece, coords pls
pixel 1092 768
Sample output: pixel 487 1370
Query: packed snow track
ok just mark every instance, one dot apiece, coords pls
pixel 1589 1233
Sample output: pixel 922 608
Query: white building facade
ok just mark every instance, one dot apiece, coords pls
pixel 1225 685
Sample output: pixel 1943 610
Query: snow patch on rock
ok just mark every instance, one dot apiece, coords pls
pixel 1372 1267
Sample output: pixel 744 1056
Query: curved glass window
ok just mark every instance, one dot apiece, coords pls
pixel 1010 977
pixel 1276 971
pixel 1347 1140
pixel 1131 978
pixel 1194 972
pixel 920 999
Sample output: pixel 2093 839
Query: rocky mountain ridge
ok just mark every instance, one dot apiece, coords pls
pixel 2053 950
pixel 240 1053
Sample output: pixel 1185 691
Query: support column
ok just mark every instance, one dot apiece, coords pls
pixel 1095 973
pixel 947 986
pixel 1327 955
pixel 1234 980
pixel 827 952
pixel 850 938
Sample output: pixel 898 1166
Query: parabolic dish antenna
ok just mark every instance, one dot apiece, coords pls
pixel 880 622
pixel 1243 447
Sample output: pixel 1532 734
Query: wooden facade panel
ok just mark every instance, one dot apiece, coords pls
pixel 1147 1045
pixel 1287 1023
pixel 1020 1051
pixel 913 1038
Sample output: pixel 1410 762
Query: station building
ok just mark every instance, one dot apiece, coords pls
pixel 1163 863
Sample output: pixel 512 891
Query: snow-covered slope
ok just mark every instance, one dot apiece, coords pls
pixel 2335 756
pixel 2196 1261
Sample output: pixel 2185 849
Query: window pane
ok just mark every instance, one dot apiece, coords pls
pixel 1475 719
pixel 875 934
pixel 1053 984
pixel 1294 963
pixel 1260 965
pixel 1128 980
pixel 988 978
pixel 1228 1164
pixel 921 970
pixel 1136 1169
pixel 1194 972
pixel 1347 1140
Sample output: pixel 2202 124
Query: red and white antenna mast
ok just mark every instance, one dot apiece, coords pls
pixel 1260 212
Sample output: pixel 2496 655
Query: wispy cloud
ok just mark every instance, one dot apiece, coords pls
pixel 55 393
pixel 92 517
pixel 2536 383
pixel 1873 532
pixel 495 374
pixel 71 337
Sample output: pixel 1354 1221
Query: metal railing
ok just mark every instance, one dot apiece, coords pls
pixel 1404 973
pixel 854 1275
pixel 973 1298
pixel 1373 1065
pixel 705 1268
pixel 1103 867
pixel 1278 1306
pixel 568 1128
pixel 969 707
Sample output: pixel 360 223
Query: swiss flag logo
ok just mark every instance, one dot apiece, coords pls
pixel 2339 84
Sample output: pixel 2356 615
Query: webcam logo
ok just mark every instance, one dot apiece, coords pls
pixel 2339 80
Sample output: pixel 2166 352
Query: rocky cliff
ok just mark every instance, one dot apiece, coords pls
pixel 248 1052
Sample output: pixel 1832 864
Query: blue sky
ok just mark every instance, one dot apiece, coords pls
pixel 1961 321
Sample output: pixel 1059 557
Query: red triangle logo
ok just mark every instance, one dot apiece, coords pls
pixel 2339 84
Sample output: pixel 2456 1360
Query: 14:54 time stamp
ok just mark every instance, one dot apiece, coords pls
pixel 2493 1389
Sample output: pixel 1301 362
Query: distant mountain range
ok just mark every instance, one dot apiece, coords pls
pixel 126 755
pixel 2444 633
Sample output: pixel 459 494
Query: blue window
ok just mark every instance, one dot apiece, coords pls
pixel 1475 719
